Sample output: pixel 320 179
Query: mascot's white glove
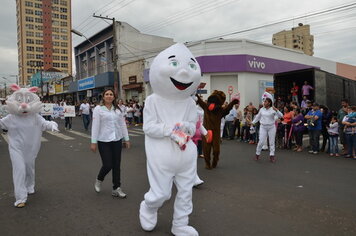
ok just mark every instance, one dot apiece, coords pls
pixel 54 126
pixel 188 128
pixel 179 136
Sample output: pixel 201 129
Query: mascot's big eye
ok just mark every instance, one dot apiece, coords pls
pixel 193 66
pixel 29 98
pixel 174 63
pixel 19 97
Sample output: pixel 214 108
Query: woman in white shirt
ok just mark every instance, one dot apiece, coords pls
pixel 267 117
pixel 108 131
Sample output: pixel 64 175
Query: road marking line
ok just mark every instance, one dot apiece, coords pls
pixel 136 132
pixel 60 135
pixel 79 133
pixel 89 137
pixel 138 129
pixel 7 139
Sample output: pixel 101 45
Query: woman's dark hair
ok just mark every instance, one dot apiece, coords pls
pixel 288 108
pixel 294 103
pixel 269 101
pixel 114 102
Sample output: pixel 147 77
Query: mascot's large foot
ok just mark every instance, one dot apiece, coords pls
pixel 198 183
pixel 184 231
pixel 148 217
pixel 208 166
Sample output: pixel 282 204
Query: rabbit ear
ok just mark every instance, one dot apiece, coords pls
pixel 33 89
pixel 15 87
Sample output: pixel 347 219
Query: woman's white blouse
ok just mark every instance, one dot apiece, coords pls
pixel 108 125
pixel 267 116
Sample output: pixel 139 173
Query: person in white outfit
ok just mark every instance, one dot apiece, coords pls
pixel 107 133
pixel 174 76
pixel 267 117
pixel 197 138
pixel 25 126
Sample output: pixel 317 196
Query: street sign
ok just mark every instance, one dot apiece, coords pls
pixel 230 89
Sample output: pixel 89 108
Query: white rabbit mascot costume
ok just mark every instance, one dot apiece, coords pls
pixel 25 127
pixel 170 117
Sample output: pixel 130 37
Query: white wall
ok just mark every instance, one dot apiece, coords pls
pixel 247 84
pixel 222 81
pixel 134 45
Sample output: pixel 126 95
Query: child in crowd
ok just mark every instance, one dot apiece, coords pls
pixel 349 122
pixel 333 131
pixel 247 119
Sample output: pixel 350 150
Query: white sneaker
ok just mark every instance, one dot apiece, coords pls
pixel 118 193
pixel 311 151
pixel 97 186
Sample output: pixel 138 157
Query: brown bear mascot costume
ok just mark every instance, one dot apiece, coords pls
pixel 213 112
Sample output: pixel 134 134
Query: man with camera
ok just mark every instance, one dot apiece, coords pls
pixel 314 118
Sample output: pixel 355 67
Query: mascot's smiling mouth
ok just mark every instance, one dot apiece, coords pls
pixel 180 85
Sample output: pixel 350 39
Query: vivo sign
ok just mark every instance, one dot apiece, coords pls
pixel 256 64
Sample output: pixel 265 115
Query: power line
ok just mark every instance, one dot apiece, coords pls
pixel 185 10
pixel 82 22
pixel 278 22
pixel 113 8
pixel 188 15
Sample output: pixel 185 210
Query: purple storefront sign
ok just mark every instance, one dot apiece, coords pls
pixel 243 63
pixel 247 63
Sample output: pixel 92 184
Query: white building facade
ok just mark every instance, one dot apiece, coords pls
pixel 248 66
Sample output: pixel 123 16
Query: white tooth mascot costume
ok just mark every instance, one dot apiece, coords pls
pixel 174 76
pixel 25 127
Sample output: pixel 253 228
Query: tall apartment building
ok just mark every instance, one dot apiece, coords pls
pixel 43 36
pixel 298 38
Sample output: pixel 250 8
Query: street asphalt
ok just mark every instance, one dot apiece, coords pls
pixel 301 194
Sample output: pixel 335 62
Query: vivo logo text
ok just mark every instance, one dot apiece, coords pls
pixel 256 64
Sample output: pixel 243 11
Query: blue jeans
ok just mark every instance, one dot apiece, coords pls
pixel 351 143
pixel 86 121
pixel 334 145
pixel 314 139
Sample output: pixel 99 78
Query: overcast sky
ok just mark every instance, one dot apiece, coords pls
pixel 188 20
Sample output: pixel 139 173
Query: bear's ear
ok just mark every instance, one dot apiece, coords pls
pixel 33 89
pixel 15 87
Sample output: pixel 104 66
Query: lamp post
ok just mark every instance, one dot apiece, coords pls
pixel 5 84
pixel 117 69
pixel 76 32
pixel 17 78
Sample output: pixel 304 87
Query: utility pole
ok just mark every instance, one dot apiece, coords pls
pixel 117 64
